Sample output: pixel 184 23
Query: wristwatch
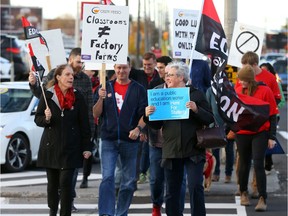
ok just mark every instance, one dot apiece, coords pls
pixel 139 127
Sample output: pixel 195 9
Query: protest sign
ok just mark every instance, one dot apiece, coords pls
pixel 56 52
pixel 185 30
pixel 245 38
pixel 170 103
pixel 105 34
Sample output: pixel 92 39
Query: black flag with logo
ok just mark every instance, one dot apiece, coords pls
pixel 238 111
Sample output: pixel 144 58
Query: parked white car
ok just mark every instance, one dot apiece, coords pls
pixel 19 135
pixel 5 69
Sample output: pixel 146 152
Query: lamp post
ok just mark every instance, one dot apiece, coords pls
pixel 230 17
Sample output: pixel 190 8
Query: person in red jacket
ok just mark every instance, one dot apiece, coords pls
pixel 251 144
pixel 261 75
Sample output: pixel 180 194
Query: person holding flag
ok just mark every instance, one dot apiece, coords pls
pixel 253 144
pixel 66 137
pixel 81 82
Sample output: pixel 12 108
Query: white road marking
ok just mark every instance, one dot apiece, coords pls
pixel 240 210
pixel 37 181
pixel 284 134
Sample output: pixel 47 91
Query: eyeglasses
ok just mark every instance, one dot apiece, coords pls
pixel 171 75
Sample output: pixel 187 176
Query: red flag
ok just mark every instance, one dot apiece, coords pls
pixel 211 39
pixel 245 113
pixel 240 112
pixel 37 66
pixel 31 32
pixel 107 2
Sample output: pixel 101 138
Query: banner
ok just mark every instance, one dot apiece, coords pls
pixel 240 112
pixel 247 113
pixel 211 39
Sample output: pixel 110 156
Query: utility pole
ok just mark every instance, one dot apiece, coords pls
pixel 230 17
pixel 138 36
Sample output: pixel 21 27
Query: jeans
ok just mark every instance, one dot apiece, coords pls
pixel 229 150
pixel 252 147
pixel 157 179
pixel 156 176
pixel 144 161
pixel 174 180
pixel 128 156
pixel 60 179
pixel 118 173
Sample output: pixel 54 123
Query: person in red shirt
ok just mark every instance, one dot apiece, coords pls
pixel 261 75
pixel 251 144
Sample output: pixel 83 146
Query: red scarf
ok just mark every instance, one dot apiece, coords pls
pixel 66 101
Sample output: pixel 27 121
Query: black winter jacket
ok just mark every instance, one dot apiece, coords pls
pixel 66 136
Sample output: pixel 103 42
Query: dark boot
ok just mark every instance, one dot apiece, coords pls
pixel 84 183
pixel 52 212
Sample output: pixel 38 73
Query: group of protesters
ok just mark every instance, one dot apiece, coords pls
pixel 164 152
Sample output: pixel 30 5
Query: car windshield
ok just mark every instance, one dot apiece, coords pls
pixel 14 100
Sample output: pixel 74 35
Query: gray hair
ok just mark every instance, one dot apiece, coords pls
pixel 182 69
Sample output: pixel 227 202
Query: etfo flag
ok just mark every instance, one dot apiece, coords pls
pixel 37 66
pixel 246 113
pixel 211 39
pixel 240 112
pixel 31 32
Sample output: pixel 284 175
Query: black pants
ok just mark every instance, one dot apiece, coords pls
pixel 60 179
pixel 87 166
pixel 252 147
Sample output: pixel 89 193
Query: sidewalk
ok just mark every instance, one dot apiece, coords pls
pixel 217 188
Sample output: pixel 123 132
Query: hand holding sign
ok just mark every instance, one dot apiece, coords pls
pixel 149 110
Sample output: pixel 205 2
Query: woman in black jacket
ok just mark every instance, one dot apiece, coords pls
pixel 66 137
pixel 179 147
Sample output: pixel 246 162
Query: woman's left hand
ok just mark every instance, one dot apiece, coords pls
pixel 271 143
pixel 192 105
pixel 87 154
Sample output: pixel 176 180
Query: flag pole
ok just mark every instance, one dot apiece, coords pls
pixel 48 61
pixel 42 89
pixel 37 77
pixel 103 76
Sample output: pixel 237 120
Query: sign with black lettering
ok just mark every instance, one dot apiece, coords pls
pixel 186 25
pixel 105 34
pixel 245 38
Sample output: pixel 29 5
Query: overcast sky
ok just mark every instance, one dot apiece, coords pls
pixel 267 14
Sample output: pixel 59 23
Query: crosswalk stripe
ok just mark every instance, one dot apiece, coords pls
pixel 284 134
pixel 38 181
pixel 240 210
pixel 22 174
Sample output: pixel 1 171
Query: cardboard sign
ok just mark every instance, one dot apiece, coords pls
pixel 170 103
pixel 245 38
pixel 105 34
pixel 185 30
pixel 54 50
